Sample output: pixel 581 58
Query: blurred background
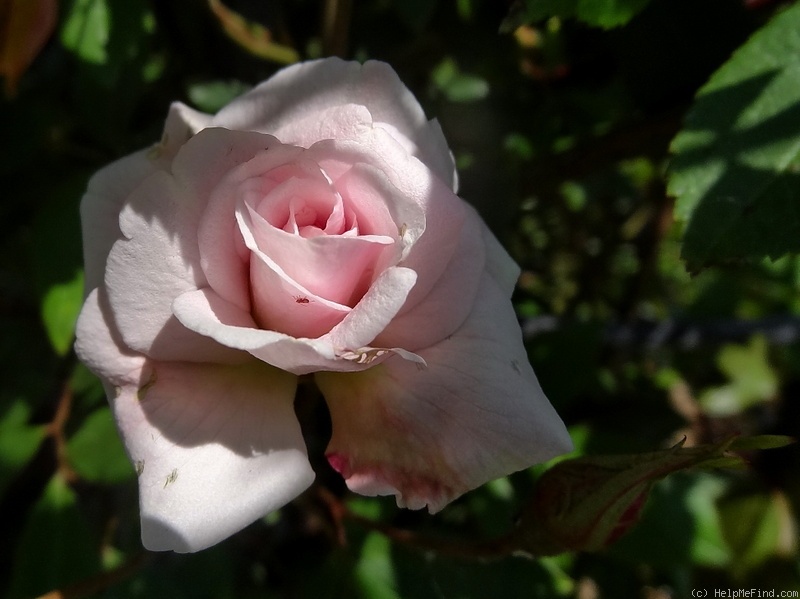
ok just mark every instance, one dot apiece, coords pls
pixel 561 129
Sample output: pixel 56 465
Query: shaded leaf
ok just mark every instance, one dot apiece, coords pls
pixel 210 96
pixel 19 441
pixel 56 547
pixel 587 503
pixel 755 524
pixel 736 160
pixel 96 452
pixel 598 13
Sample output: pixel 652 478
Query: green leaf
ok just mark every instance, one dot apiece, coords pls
pixel 752 379
pixel 598 13
pixel 681 513
pixel 18 441
pixel 210 96
pixel 609 13
pixel 374 572
pixel 60 308
pixel 734 173
pixel 56 548
pixel 751 523
pixel 457 86
pixel 96 452
pixel 86 30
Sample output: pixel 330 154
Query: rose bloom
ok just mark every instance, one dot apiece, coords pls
pixel 311 227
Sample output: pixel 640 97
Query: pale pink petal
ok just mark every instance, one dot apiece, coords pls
pixel 248 156
pixel 208 314
pixel 418 194
pixel 443 310
pixel 99 345
pixel 427 435
pixel 157 262
pixel 279 302
pixel 339 269
pixel 376 309
pixel 110 187
pixel 215 447
pixel 345 349
pixel 499 264
pixel 182 123
pixel 107 192
pixel 314 87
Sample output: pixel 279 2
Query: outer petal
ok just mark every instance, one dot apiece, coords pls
pixel 107 192
pixel 110 187
pixel 428 435
pixel 160 258
pixel 443 310
pixel 279 106
pixel 216 447
pixel 99 345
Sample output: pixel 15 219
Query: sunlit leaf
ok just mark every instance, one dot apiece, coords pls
pixel 374 572
pixel 735 168
pixel 86 30
pixel 752 379
pixel 60 308
pixel 457 86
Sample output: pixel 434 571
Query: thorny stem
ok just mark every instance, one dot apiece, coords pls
pixel 483 549
pixel 101 582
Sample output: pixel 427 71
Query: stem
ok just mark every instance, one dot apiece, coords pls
pixel 335 27
pixel 482 549
pixel 56 431
pixel 101 582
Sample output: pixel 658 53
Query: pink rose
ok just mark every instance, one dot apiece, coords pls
pixel 311 226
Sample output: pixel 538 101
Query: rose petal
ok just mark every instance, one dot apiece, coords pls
pixel 280 103
pixel 344 349
pixel 222 249
pixel 428 435
pixel 499 264
pixel 443 310
pixel 99 345
pixel 215 447
pixel 207 313
pixel 106 193
pixel 279 302
pixel 432 245
pixel 158 261
pixel 339 269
